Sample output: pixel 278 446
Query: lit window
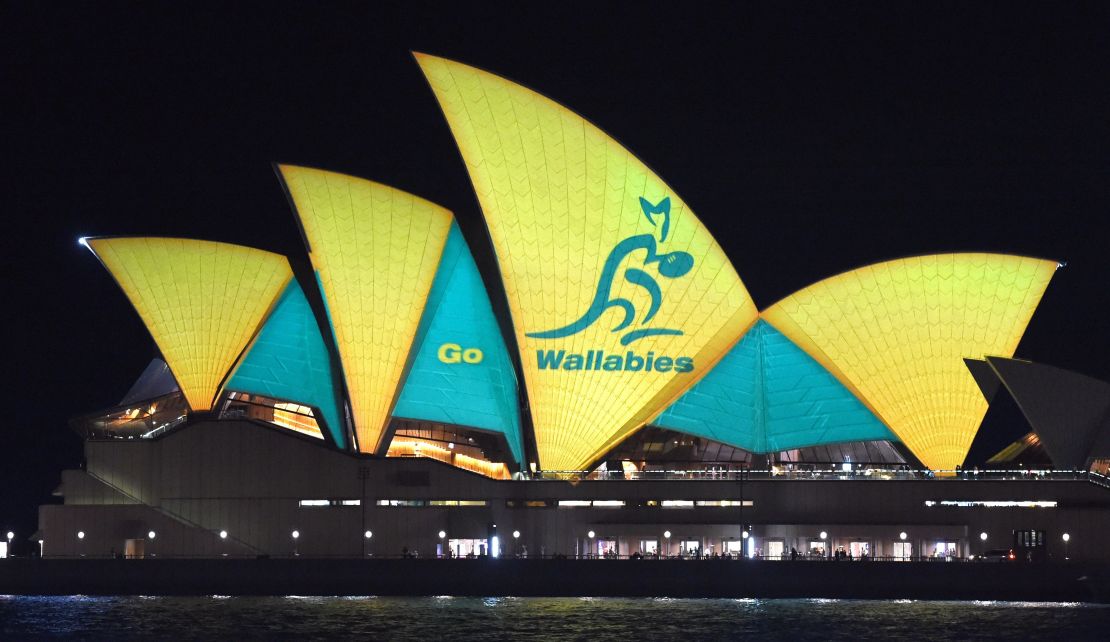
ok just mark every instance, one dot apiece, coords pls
pixel 597 503
pixel 401 447
pixel 992 504
pixel 297 418
pixel 677 503
pixel 404 503
pixel 318 503
pixel 292 416
pixel 437 503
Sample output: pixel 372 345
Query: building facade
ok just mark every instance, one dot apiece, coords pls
pixel 363 399
pixel 242 488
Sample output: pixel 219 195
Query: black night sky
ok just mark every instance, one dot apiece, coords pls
pixel 810 138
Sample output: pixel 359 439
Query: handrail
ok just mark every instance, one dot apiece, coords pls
pixel 831 474
pixel 168 513
pixel 1099 479
pixel 530 557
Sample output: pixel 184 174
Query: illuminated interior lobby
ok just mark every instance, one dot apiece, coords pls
pixel 364 399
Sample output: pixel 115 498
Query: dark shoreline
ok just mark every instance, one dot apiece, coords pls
pixel 1050 582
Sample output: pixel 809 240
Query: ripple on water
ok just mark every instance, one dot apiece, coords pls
pixel 540 618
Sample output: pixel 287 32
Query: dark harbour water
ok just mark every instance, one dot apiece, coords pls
pixel 443 618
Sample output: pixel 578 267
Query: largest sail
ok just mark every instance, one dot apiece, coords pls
pixel 620 298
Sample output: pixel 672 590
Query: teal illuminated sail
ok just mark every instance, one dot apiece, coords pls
pixel 461 373
pixel 767 395
pixel 726 404
pixel 289 361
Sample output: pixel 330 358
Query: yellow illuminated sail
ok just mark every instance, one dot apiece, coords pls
pixel 602 263
pixel 201 301
pixel 897 333
pixel 375 250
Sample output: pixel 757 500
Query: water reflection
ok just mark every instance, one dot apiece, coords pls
pixel 446 617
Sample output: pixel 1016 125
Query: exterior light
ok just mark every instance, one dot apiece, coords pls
pixel 983 536
pixel 151 535
pixel 1067 537
pixel 223 534
pixel 368 534
pixel 824 535
pixel 442 534
pixel 590 534
pixel 11 536
pixel 667 534
pixel 745 534
pixel 80 534
pixel 516 534
pixel 902 536
pixel 451 445
pixel 296 534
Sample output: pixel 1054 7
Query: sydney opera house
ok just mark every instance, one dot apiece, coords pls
pixel 365 400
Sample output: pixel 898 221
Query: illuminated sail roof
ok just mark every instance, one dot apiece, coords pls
pixel 896 334
pixel 202 301
pixel 603 264
pixel 289 361
pixel 375 250
pixel 462 373
pixel 767 395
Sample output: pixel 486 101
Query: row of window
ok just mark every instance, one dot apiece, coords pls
pixel 327 503
pixel 647 503
pixel 991 504
pixel 537 503
pixel 431 502
pixel 324 503
pixel 620 503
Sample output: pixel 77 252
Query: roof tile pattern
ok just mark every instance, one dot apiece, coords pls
pixel 375 250
pixel 289 361
pixel 767 395
pixel 560 197
pixel 896 334
pixel 202 301
pixel 481 391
